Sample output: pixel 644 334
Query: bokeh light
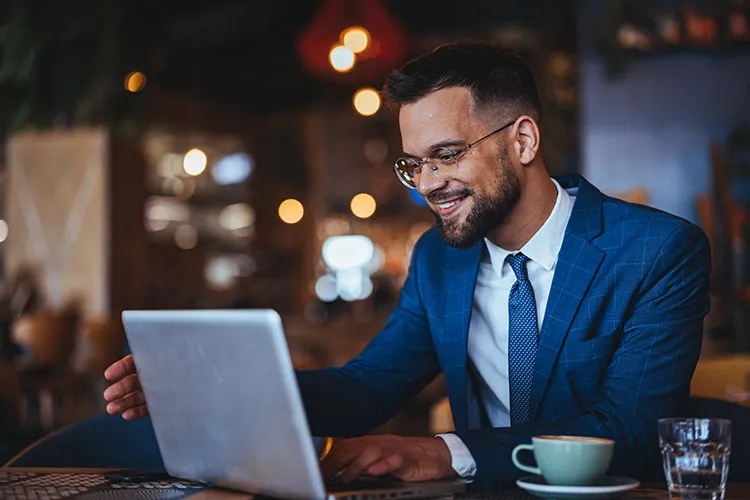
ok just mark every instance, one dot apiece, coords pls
pixel 4 230
pixel 351 251
pixel 194 162
pixel 291 211
pixel 232 169
pixel 367 101
pixel 363 205
pixel 342 58
pixel 356 39
pixel 186 237
pixel 236 217
pixel 135 81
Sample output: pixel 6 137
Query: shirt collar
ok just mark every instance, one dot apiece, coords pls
pixel 545 245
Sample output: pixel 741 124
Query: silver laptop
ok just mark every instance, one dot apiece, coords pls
pixel 226 408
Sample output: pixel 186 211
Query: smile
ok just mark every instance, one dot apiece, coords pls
pixel 448 208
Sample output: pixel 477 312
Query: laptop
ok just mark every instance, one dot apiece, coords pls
pixel 227 411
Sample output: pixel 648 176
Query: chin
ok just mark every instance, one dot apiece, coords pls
pixel 461 237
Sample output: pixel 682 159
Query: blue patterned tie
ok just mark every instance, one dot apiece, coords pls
pixel 522 340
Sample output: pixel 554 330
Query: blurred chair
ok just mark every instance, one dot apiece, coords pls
pixel 10 410
pixel 721 377
pixel 739 461
pixel 101 343
pixel 10 398
pixel 48 340
pixel 723 221
pixel 101 441
pixel 48 382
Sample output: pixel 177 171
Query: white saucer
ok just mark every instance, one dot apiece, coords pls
pixel 607 487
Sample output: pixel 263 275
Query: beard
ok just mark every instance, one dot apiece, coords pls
pixel 487 212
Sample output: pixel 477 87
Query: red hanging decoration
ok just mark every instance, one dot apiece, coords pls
pixel 384 53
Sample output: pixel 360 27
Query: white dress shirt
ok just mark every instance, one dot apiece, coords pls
pixel 488 331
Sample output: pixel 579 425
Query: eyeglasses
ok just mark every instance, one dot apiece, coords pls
pixel 440 161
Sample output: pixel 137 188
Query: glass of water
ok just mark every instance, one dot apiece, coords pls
pixel 696 456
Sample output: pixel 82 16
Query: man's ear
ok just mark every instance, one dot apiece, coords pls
pixel 527 139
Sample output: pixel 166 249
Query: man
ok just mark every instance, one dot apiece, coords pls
pixel 550 308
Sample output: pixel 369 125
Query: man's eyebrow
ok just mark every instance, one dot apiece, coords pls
pixel 442 144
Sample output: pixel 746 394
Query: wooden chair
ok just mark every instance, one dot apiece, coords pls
pixel 10 409
pixel 48 339
pixel 724 377
pixel 47 379
pixel 740 417
pixel 101 342
pixel 723 220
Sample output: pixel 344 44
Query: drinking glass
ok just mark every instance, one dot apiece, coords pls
pixel 695 453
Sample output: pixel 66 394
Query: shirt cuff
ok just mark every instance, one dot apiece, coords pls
pixel 461 459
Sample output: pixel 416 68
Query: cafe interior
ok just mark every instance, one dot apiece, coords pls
pixel 236 154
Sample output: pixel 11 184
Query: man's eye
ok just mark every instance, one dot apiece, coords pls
pixel 445 156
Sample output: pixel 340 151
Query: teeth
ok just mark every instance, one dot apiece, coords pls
pixel 446 205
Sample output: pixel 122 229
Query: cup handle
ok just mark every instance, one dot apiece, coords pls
pixel 517 463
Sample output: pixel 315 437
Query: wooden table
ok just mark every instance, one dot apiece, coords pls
pixel 648 491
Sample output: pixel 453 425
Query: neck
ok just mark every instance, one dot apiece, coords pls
pixel 538 197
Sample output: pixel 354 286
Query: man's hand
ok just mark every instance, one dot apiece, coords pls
pixel 125 395
pixel 408 458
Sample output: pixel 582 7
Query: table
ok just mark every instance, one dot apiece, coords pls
pixel 648 491
pixel 205 494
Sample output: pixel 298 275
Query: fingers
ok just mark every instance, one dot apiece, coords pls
pixel 122 388
pixel 354 457
pixel 123 404
pixel 120 369
pixel 410 459
pixel 135 413
pixel 388 465
pixel 361 463
pixel 338 458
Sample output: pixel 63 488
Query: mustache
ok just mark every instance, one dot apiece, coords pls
pixel 441 196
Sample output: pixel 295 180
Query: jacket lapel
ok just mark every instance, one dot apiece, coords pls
pixel 576 266
pixel 458 304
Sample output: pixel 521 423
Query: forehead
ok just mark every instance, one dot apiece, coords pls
pixel 443 115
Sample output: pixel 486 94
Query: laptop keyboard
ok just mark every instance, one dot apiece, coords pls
pixel 60 486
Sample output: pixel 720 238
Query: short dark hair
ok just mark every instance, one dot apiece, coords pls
pixel 499 79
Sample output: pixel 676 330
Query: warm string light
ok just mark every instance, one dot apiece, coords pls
pixel 352 41
pixel 363 205
pixel 135 82
pixel 366 101
pixel 356 38
pixel 291 211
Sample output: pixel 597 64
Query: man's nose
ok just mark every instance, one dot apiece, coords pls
pixel 427 183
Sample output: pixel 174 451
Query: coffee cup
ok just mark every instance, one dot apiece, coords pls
pixel 568 460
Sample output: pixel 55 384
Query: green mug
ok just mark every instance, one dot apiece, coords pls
pixel 568 460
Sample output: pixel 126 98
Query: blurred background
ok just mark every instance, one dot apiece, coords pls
pixel 234 154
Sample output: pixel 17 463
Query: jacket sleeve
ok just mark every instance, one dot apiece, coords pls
pixel 393 368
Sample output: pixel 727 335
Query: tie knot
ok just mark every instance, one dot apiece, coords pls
pixel 518 264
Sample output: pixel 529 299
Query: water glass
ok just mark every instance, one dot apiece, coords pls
pixel 696 456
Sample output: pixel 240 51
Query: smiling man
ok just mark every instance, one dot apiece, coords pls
pixel 550 307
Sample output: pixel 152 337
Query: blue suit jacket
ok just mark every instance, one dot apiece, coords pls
pixel 619 343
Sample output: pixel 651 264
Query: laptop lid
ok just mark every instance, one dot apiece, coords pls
pixel 226 408
pixel 224 401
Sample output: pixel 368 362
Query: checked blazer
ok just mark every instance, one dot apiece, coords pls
pixel 619 343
